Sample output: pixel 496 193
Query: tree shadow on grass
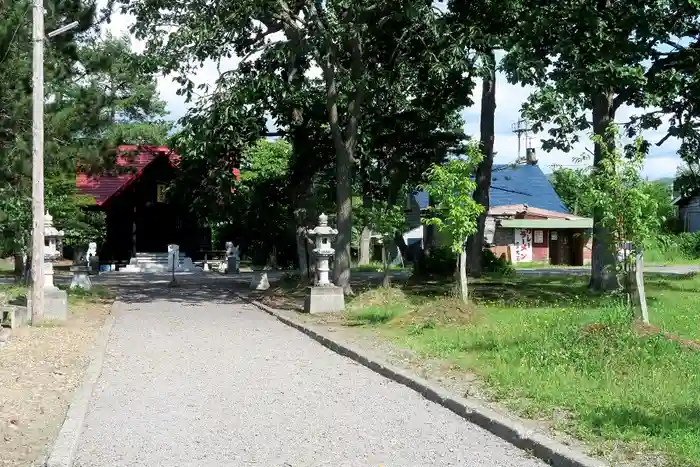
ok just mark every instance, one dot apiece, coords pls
pixel 517 291
pixel 680 422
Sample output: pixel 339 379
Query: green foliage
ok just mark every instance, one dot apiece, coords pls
pixel 570 185
pixel 612 58
pixel 496 265
pixel 99 94
pixel 687 181
pixel 71 212
pixel 383 219
pixel 265 159
pixel 450 186
pixel 261 203
pixel 678 248
pixel 440 261
pixel 618 192
pixel 384 66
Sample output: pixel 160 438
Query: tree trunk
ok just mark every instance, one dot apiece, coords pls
pixel 302 259
pixel 345 145
pixel 386 280
pixel 344 224
pixel 19 267
pixel 461 287
pixel 603 271
pixel 27 276
pixel 475 243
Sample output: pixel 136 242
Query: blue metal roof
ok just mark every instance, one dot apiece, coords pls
pixel 516 184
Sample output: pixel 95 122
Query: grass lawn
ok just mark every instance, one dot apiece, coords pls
pixel 374 267
pixel 548 349
pixel 6 267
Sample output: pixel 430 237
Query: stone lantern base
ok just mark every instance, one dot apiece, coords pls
pixel 327 299
pixel 55 305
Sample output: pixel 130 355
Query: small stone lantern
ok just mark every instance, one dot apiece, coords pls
pixel 323 296
pixel 53 249
pixel 323 251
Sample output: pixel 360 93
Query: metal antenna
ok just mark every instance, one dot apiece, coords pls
pixel 520 128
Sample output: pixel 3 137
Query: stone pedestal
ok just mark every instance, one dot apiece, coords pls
pixel 328 299
pixel 14 316
pixel 173 257
pixel 81 278
pixel 259 281
pixel 94 263
pixel 187 265
pixel 55 305
pixel 232 265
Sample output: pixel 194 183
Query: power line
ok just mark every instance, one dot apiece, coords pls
pixel 14 35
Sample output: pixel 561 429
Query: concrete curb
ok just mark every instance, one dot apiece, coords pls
pixel 511 430
pixel 66 444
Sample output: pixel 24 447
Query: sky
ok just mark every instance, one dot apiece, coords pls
pixel 661 162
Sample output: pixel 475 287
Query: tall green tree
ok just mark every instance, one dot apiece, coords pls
pixel 484 28
pixel 84 118
pixel 456 212
pixel 349 41
pixel 616 189
pixel 618 54
pixel 570 185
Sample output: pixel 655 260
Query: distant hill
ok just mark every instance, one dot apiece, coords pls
pixel 665 180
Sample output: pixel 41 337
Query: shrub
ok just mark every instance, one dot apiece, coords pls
pixel 443 261
pixel 440 260
pixel 493 264
pixel 674 247
pixel 690 244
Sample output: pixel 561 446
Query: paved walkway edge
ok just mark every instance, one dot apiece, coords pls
pixel 63 450
pixel 509 429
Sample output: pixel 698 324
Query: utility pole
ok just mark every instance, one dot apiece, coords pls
pixel 37 293
pixel 37 264
pixel 521 128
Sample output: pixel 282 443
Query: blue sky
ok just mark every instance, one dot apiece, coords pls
pixel 662 161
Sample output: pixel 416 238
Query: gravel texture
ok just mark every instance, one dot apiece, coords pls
pixel 196 382
pixel 40 367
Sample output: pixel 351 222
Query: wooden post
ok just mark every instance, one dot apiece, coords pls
pixel 639 299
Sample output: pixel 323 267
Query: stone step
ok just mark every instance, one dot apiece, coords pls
pixel 155 255
pixel 148 258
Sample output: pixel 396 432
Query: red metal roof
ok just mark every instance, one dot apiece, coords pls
pixel 104 187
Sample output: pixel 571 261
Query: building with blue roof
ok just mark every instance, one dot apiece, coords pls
pixel 516 184
pixel 527 220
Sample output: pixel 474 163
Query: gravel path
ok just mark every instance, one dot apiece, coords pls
pixel 215 383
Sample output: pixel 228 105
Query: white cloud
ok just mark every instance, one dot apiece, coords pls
pixel 662 161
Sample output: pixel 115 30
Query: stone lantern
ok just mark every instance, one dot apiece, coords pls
pixel 323 235
pixel 55 299
pixel 53 249
pixel 323 296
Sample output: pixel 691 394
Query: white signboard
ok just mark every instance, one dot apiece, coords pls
pixel 539 236
pixel 523 246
